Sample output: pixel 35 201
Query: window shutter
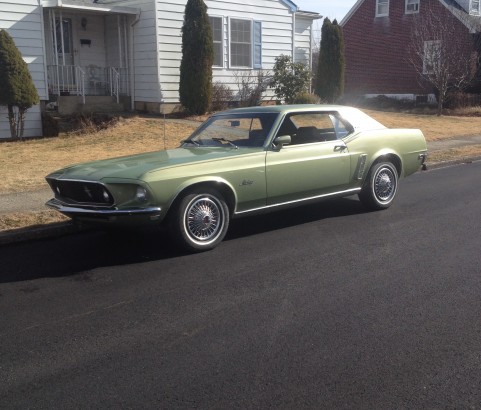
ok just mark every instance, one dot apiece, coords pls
pixel 257 44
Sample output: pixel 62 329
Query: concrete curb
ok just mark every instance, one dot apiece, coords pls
pixel 54 230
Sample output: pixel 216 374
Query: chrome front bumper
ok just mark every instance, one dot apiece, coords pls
pixel 153 212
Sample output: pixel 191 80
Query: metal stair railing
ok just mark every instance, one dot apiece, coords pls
pixel 66 80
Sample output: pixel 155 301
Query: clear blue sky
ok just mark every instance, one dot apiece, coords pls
pixel 334 9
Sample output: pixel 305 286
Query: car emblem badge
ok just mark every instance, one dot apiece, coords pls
pixel 246 182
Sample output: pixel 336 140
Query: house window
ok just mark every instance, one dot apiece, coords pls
pixel 474 7
pixel 240 43
pixel 382 8
pixel 245 43
pixel 412 6
pixel 217 36
pixel 432 56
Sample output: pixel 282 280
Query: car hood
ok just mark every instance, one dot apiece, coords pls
pixel 135 166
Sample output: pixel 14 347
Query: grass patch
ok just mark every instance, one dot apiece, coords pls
pixel 433 127
pixel 19 220
pixel 453 154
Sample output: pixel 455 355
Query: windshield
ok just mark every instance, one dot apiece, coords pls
pixel 235 130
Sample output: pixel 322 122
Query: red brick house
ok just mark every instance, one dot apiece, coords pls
pixel 378 35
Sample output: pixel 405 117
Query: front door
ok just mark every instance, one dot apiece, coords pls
pixel 64 41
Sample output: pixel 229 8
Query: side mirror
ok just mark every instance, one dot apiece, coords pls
pixel 282 140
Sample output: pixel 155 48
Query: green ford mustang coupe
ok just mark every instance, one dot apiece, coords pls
pixel 240 162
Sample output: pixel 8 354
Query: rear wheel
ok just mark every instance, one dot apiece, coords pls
pixel 200 221
pixel 380 187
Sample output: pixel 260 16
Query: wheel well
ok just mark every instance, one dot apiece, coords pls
pixel 393 159
pixel 220 187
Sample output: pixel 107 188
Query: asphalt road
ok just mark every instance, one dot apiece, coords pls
pixel 321 307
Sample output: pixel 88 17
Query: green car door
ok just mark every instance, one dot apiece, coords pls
pixel 316 162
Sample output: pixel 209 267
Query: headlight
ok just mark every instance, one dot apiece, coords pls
pixel 141 194
pixel 106 195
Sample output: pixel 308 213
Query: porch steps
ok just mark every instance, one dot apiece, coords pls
pixel 100 104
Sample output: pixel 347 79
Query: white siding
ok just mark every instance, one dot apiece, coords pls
pixel 303 40
pixel 276 37
pixel 23 21
pixel 33 123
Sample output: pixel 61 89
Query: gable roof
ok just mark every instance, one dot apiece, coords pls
pixel 351 12
pixel 293 8
pixel 290 5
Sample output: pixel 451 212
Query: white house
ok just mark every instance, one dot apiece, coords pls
pixel 85 55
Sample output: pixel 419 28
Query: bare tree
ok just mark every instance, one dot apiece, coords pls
pixel 438 52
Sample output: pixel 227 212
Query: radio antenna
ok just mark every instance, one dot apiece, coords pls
pixel 165 144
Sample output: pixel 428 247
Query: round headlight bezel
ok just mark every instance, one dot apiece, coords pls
pixel 141 194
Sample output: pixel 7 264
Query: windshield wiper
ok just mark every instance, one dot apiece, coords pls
pixel 191 142
pixel 225 140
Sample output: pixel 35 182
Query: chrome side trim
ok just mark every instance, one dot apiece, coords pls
pixel 312 198
pixel 59 206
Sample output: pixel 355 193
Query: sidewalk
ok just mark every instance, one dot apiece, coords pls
pixel 35 200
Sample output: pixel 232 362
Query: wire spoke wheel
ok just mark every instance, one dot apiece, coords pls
pixel 380 186
pixel 203 219
pixel 384 184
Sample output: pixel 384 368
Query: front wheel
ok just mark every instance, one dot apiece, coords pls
pixel 200 220
pixel 380 187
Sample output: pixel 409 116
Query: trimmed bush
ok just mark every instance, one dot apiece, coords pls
pixel 330 69
pixel 17 91
pixel 195 88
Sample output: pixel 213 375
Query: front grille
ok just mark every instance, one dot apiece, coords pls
pixel 81 192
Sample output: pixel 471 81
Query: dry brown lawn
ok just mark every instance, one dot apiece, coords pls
pixel 23 219
pixel 434 127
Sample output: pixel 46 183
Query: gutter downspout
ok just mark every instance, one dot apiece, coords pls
pixel 311 36
pixel 131 62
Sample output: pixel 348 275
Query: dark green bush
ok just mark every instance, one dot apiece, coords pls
pixel 17 91
pixel 195 88
pixel 330 69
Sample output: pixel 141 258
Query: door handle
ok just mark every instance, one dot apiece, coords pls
pixel 340 147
